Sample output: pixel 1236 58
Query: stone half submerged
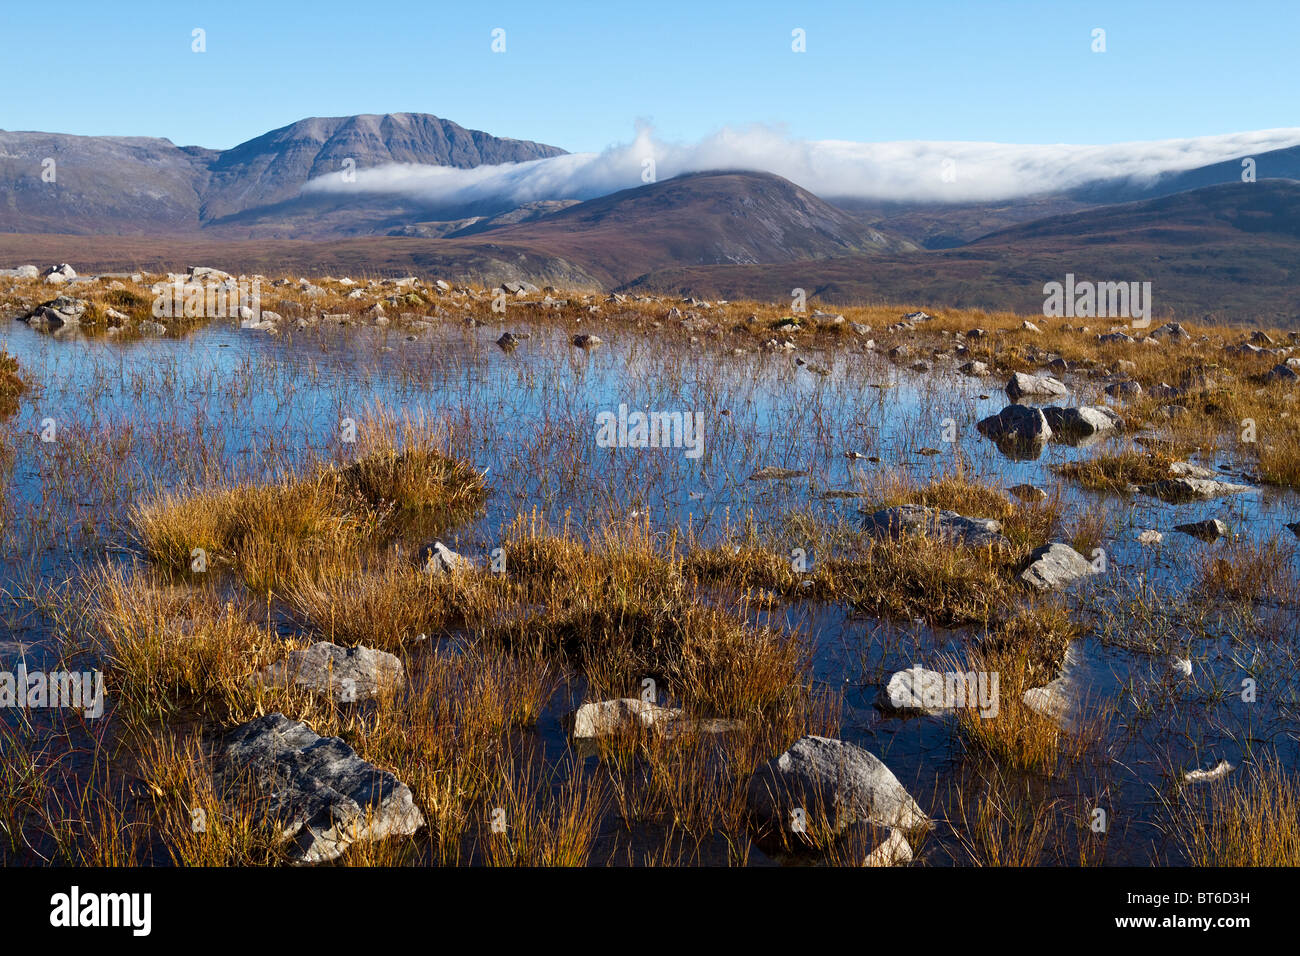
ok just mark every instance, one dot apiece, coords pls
pixel 909 521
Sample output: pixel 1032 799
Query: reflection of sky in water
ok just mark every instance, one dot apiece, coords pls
pixel 251 403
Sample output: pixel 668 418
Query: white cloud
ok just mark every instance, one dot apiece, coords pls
pixel 831 168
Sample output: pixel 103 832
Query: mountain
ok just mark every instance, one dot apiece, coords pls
pixel 698 219
pixel 142 186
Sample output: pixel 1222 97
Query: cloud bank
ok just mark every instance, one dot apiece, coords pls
pixel 915 171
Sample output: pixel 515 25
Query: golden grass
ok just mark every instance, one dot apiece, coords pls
pixel 1244 570
pixel 302 525
pixel 1254 821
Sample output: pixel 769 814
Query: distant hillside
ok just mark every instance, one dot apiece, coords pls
pixel 1230 251
pixel 701 218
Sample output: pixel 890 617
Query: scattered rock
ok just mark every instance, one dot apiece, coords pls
pixel 1209 530
pixel 1125 389
pixel 55 314
pixel 1024 384
pixel 58 275
pixel 1081 422
pixel 1028 492
pixel 1220 769
pixel 440 559
pixel 1066 698
pixel 1017 423
pixel 1055 565
pixel 771 472
pixel 1180 489
pixel 605 718
pixel 914 691
pixel 1171 331
pixel 893 851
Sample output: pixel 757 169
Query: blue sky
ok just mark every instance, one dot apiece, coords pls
pixel 580 75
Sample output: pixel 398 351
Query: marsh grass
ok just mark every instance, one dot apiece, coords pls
pixel 1115 471
pixel 1242 569
pixel 1253 821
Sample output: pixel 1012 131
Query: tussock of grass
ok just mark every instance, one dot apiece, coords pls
pixel 1115 471
pixel 172 651
pixel 393 606
pixel 12 385
pixel 301 526
pixel 1025 651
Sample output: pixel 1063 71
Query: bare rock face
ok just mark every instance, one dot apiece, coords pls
pixel 1055 565
pixel 345 674
pixel 320 796
pixel 908 521
pixel 830 780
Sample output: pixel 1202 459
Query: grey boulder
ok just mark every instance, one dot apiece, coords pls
pixel 1055 565
pixel 834 781
pixel 1025 384
pixel 316 793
